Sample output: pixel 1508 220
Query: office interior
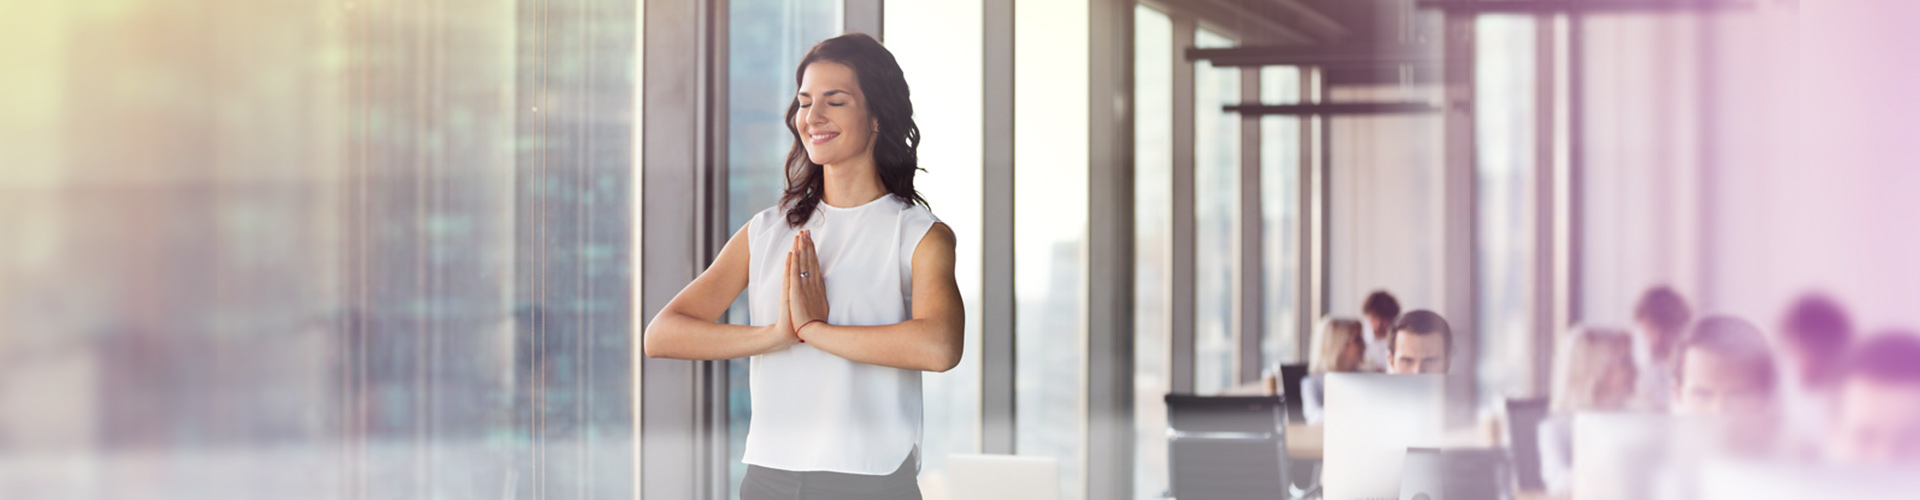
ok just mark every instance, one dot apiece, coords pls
pixel 367 249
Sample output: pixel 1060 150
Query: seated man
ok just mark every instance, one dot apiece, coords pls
pixel 1724 367
pixel 1420 343
pixel 1878 422
pixel 1725 371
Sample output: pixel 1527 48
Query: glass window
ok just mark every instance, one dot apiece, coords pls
pixel 1638 227
pixel 1503 257
pixel 1050 282
pixel 367 250
pixel 938 45
pixel 765 41
pixel 1280 157
pixel 1216 212
pixel 1385 198
pixel 1153 245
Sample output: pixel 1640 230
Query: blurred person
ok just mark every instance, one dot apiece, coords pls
pixel 835 390
pixel 1813 337
pixel 1660 318
pixel 1725 374
pixel 1338 348
pixel 1594 371
pixel 1421 343
pixel 1381 310
pixel 1724 367
pixel 1878 417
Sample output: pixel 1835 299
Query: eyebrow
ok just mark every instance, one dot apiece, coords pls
pixel 828 93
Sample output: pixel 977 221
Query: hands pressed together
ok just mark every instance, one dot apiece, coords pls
pixel 804 291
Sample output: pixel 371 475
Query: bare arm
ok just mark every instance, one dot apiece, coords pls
pixel 688 327
pixel 931 341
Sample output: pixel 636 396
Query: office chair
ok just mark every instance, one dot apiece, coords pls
pixel 1226 447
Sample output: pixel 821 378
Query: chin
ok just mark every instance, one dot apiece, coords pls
pixel 820 159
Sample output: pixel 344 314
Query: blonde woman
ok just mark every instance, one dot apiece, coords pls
pixel 1594 371
pixel 1337 348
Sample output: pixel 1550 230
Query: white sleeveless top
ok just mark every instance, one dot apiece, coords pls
pixel 814 411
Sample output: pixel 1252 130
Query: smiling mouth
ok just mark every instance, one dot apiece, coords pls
pixel 823 137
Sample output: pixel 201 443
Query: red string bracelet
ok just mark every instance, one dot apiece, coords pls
pixel 796 331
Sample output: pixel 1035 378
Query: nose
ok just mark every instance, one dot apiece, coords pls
pixel 810 115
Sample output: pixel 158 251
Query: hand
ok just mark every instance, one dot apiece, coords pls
pixel 783 325
pixel 807 288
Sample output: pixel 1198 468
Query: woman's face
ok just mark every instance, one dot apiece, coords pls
pixel 833 121
pixel 1615 387
pixel 1351 356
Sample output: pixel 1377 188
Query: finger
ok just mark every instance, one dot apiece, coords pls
pixel 812 259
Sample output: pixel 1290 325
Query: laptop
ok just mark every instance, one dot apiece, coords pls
pixel 1290 377
pixel 1002 477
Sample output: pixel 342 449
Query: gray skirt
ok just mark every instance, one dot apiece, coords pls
pixel 763 483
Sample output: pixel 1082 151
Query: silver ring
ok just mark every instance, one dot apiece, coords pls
pixel 804 274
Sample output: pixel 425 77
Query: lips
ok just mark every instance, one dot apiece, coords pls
pixel 822 137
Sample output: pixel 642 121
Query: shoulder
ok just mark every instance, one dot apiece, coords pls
pixel 922 225
pixel 939 235
pixel 915 212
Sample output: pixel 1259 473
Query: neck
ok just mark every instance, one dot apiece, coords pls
pixel 852 183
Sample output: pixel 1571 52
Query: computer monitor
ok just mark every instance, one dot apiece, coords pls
pixel 1784 480
pixel 1622 456
pixel 1372 420
pixel 1002 477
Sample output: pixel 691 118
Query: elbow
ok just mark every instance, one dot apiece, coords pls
pixel 650 344
pixel 942 365
pixel 944 358
pixel 654 343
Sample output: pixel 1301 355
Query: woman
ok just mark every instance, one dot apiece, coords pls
pixel 1595 371
pixel 1338 348
pixel 851 289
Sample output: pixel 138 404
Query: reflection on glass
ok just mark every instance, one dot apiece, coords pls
pixel 1153 240
pixel 1280 218
pixel 317 252
pixel 1216 212
pixel 765 41
pixel 1050 126
pixel 1503 127
pixel 938 45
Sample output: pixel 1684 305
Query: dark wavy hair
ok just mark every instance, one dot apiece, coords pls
pixel 896 146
